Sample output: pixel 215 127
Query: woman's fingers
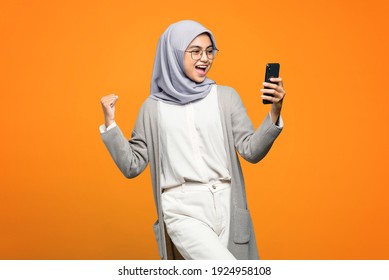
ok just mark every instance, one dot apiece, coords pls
pixel 278 86
pixel 273 92
pixel 109 96
pixel 276 80
pixel 109 101
pixel 274 97
pixel 276 90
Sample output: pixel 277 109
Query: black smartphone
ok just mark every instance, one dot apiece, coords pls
pixel 272 71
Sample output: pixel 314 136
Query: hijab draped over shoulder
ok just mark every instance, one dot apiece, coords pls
pixel 169 82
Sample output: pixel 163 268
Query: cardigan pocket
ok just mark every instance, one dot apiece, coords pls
pixel 242 226
pixel 157 233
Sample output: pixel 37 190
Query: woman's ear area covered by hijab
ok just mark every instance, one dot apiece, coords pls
pixel 196 61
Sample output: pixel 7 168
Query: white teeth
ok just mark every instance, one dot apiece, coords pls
pixel 202 66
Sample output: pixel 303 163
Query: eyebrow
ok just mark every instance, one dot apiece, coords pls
pixel 192 47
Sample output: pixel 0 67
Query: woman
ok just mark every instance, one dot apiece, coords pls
pixel 189 129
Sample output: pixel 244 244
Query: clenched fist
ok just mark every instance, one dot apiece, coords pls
pixel 108 103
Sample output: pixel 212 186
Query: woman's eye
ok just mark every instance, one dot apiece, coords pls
pixel 209 51
pixel 196 52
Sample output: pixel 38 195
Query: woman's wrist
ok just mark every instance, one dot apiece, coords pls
pixel 108 122
pixel 275 114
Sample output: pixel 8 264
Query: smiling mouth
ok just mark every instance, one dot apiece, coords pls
pixel 201 69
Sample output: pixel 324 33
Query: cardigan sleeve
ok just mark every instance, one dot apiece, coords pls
pixel 130 156
pixel 252 145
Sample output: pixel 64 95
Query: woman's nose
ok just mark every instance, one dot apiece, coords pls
pixel 204 56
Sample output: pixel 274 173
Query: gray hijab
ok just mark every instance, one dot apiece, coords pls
pixel 169 82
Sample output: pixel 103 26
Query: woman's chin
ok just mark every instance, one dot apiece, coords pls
pixel 199 80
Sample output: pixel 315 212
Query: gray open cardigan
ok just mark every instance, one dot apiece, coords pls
pixel 133 156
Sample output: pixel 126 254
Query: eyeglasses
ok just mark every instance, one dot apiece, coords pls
pixel 198 54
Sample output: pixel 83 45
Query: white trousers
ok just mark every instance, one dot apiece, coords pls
pixel 197 218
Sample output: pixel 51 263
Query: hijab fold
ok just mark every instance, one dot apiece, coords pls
pixel 169 82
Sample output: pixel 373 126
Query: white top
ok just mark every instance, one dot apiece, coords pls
pixel 192 142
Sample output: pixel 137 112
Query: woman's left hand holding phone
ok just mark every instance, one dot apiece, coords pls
pixel 278 94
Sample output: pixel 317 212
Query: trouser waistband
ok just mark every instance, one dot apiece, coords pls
pixel 197 186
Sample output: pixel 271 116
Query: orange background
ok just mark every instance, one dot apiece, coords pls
pixel 321 193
